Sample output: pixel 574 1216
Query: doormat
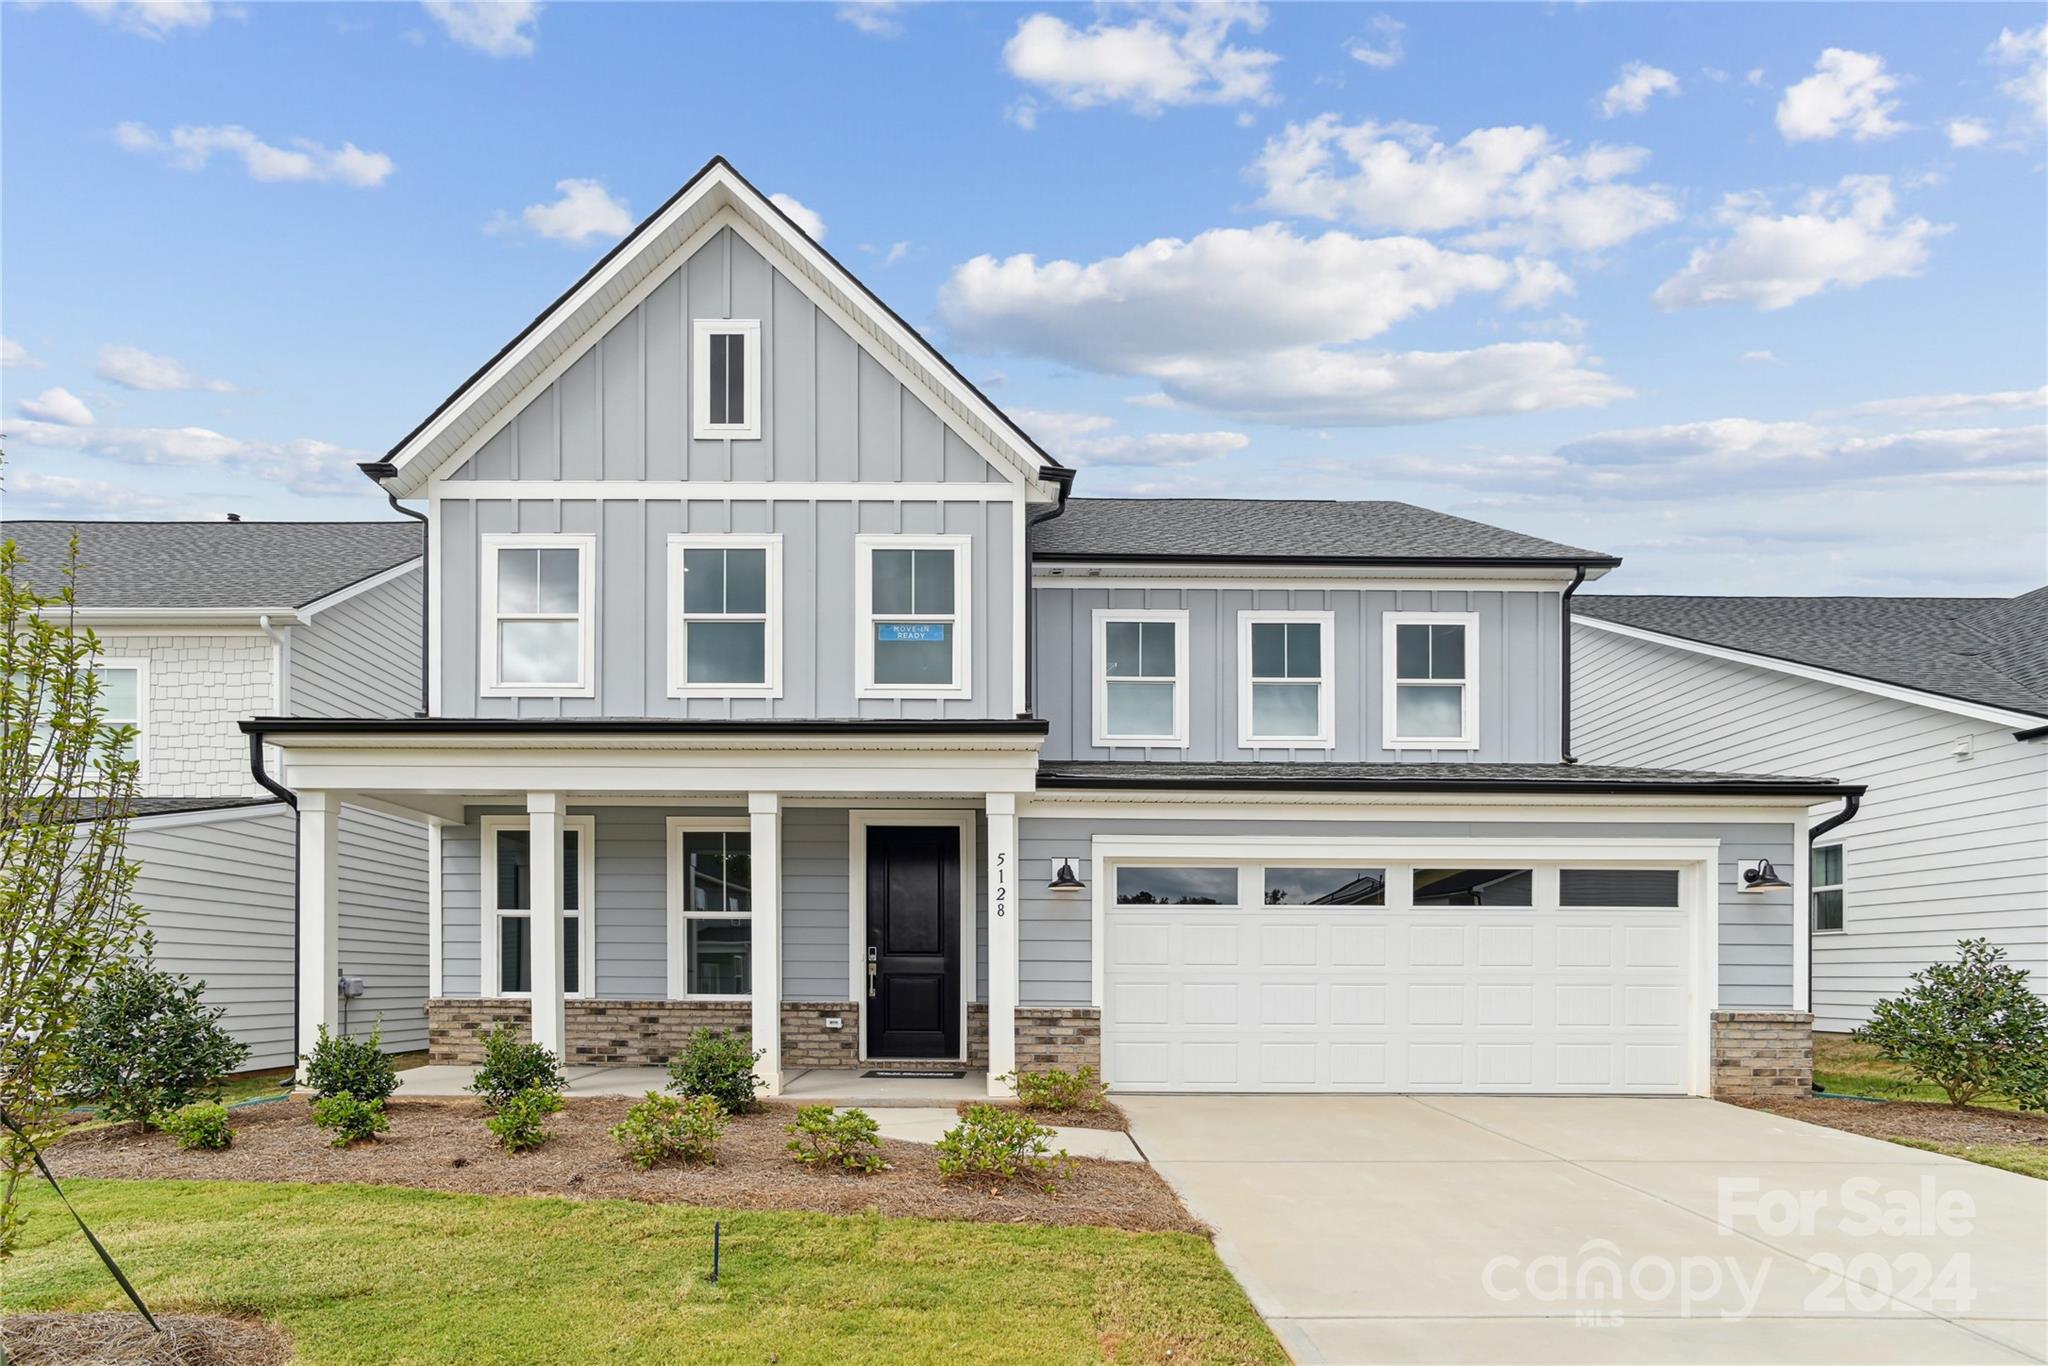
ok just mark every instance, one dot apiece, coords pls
pixel 900 1074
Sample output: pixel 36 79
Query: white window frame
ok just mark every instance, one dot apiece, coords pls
pixel 488 660
pixel 679 619
pixel 1390 681
pixel 1814 889
pixel 679 912
pixel 586 915
pixel 702 331
pixel 864 546
pixel 1326 682
pixel 1104 738
pixel 140 664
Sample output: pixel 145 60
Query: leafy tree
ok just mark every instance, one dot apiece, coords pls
pixel 67 784
pixel 1969 1027
pixel 149 1045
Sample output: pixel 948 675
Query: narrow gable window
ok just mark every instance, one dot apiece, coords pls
pixel 1827 888
pixel 912 593
pixel 538 636
pixel 727 374
pixel 1430 690
pixel 725 639
pixel 121 701
pixel 1141 670
pixel 1284 681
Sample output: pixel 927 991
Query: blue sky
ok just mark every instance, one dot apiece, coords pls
pixel 1755 296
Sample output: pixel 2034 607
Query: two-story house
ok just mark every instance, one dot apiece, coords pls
pixel 200 626
pixel 776 683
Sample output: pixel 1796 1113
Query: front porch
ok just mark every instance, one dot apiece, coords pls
pixel 837 1086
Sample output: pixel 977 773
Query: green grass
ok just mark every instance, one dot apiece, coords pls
pixel 1845 1066
pixel 377 1274
pixel 2026 1159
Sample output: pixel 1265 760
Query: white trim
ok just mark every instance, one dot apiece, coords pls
pixel 1974 710
pixel 435 909
pixel 677 912
pixel 586 912
pixel 959 621
pixel 437 586
pixel 858 821
pixel 212 815
pixel 1325 681
pixel 699 490
pixel 488 546
pixel 702 330
pixel 1304 577
pixel 1390 681
pixel 214 620
pixel 342 595
pixel 143 730
pixel 1099 667
pixel 1020 608
pixel 676 620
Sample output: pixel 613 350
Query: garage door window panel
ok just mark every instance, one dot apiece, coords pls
pixel 1618 888
pixel 1475 887
pixel 1325 887
pixel 1172 886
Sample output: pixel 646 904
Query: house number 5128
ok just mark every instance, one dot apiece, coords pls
pixel 1002 883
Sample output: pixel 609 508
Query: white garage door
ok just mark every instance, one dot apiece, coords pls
pixel 1524 979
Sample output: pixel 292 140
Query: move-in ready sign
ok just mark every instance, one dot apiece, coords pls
pixel 911 630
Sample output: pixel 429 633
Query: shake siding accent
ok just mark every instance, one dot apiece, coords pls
pixel 1943 849
pixel 1518 670
pixel 360 657
pixel 200 687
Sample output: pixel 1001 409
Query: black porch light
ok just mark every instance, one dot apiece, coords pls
pixel 1761 876
pixel 1066 879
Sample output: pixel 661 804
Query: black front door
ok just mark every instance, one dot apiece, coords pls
pixel 913 1004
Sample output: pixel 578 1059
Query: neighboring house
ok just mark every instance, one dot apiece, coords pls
pixel 202 625
pixel 1938 705
pixel 776 684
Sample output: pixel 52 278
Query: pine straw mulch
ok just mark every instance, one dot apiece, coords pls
pixel 443 1145
pixel 1107 1117
pixel 109 1339
pixel 1928 1121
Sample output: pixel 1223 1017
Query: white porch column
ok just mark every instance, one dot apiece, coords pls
pixel 435 825
pixel 1002 940
pixel 764 826
pixel 319 917
pixel 550 1026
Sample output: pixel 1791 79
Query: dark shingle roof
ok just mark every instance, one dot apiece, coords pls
pixel 1249 777
pixel 1284 529
pixel 1992 651
pixel 264 566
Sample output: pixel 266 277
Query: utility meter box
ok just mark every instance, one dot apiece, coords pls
pixel 351 987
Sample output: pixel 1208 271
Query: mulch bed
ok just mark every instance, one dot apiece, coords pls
pixel 1108 1117
pixel 126 1340
pixel 1930 1122
pixel 443 1145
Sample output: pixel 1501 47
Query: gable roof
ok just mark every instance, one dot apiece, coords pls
pixel 1278 530
pixel 1992 652
pixel 643 254
pixel 225 566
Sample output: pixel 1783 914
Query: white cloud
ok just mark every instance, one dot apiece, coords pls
pixel 131 367
pixel 878 18
pixel 497 28
pixel 15 356
pixel 1968 132
pixel 190 148
pixel 1848 92
pixel 1384 50
pixel 1083 439
pixel 155 18
pixel 1925 405
pixel 1632 91
pixel 30 494
pixel 897 251
pixel 305 466
pixel 1759 358
pixel 60 406
pixel 1537 282
pixel 584 210
pixel 1839 239
pixel 1166 55
pixel 798 212
pixel 2028 50
pixel 1501 186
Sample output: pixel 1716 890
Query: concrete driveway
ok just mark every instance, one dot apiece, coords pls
pixel 1526 1229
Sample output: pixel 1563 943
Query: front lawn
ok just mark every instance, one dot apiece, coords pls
pixel 1844 1065
pixel 376 1274
pixel 2028 1159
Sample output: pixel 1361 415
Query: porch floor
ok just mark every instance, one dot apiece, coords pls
pixel 837 1085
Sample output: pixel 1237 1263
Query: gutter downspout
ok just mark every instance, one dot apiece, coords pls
pixel 2037 733
pixel 291 799
pixel 1852 802
pixel 1565 691
pixel 1065 479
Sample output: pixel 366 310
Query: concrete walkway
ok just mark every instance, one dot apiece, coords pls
pixel 1525 1229
pixel 817 1085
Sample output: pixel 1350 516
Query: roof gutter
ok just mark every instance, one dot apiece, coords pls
pixel 378 471
pixel 256 726
pixel 1054 780
pixel 1565 691
pixel 1580 563
pixel 1063 478
pixel 2037 733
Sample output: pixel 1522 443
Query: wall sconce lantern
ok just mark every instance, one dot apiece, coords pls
pixel 1759 876
pixel 1066 879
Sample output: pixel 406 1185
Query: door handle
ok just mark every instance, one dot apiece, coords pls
pixel 873 967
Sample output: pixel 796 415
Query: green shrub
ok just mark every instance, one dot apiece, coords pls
pixel 661 1127
pixel 147 1046
pixel 353 1121
pixel 203 1124
pixel 1054 1089
pixel 360 1067
pixel 995 1140
pixel 520 1123
pixel 717 1065
pixel 2026 1081
pixel 847 1138
pixel 1968 1027
pixel 511 1067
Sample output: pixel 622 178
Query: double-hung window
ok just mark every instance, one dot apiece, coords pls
pixel 1284 680
pixel 1430 689
pixel 1827 888
pixel 539 638
pixel 911 601
pixel 725 397
pixel 725 637
pixel 123 699
pixel 508 906
pixel 1141 677
pixel 710 908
